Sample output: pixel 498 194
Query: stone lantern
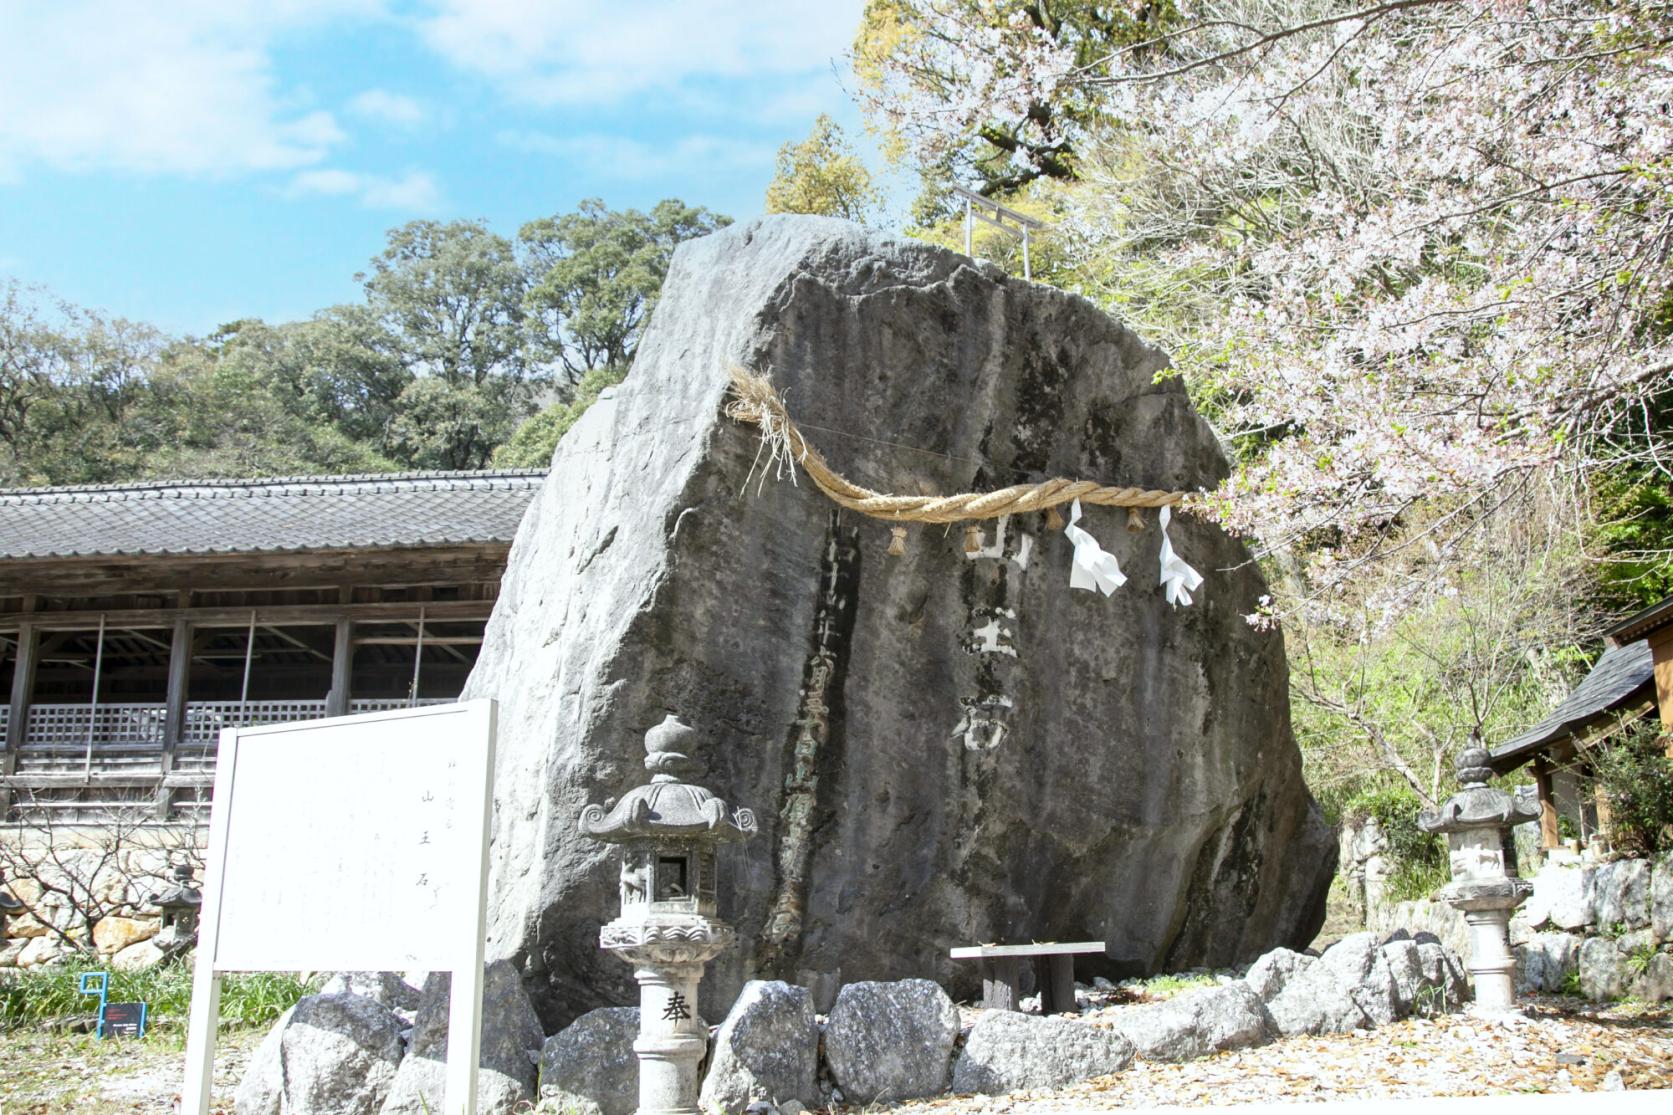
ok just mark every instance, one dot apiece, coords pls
pixel 1477 821
pixel 668 928
pixel 180 908
pixel 8 907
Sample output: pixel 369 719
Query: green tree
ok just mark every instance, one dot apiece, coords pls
pixel 451 298
pixel 594 276
pixel 823 175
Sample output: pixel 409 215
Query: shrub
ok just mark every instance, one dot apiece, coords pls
pixel 1636 780
pixel 1419 858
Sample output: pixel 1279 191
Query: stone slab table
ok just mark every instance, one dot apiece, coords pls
pixel 1054 972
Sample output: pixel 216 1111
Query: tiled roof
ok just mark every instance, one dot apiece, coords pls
pixel 256 516
pixel 1623 677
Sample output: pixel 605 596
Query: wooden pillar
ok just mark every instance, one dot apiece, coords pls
pixel 1661 653
pixel 23 685
pixel 1054 976
pixel 174 710
pixel 1000 982
pixel 1549 837
pixel 1600 803
pixel 342 659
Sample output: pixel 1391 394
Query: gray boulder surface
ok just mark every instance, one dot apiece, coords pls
pixel 1661 898
pixel 1197 1023
pixel 891 1041
pixel 327 1055
pixel 1604 972
pixel 1358 983
pixel 389 988
pixel 1545 961
pixel 589 1066
pixel 941 749
pixel 767 1049
pixel 1272 972
pixel 1007 1051
pixel 1620 894
pixel 511 1042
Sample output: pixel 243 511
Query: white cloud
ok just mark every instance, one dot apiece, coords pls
pixel 384 107
pixel 623 158
pixel 585 52
pixel 186 87
pixel 413 192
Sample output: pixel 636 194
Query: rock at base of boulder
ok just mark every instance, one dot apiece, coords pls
pixel 1269 975
pixel 767 1049
pixel 1545 961
pixel 140 954
pixel 113 934
pixel 887 1042
pixel 1197 1024
pixel 388 988
pixel 328 1055
pixel 1604 973
pixel 511 1040
pixel 1658 978
pixel 1620 895
pixel 590 1067
pixel 1661 898
pixel 1358 984
pixel 1007 1051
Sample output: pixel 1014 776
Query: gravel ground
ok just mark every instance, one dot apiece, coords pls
pixel 50 1074
pixel 1562 1045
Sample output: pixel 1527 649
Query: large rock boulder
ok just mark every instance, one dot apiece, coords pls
pixel 887 1042
pixel 943 749
pixel 327 1055
pixel 1358 984
pixel 1008 1051
pixel 511 1042
pixel 589 1067
pixel 767 1049
pixel 1546 961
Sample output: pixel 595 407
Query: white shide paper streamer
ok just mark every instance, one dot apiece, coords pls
pixel 1093 568
pixel 1179 579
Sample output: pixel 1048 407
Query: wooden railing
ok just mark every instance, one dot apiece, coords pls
pixel 55 770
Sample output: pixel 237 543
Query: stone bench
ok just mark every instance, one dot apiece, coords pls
pixel 1054 972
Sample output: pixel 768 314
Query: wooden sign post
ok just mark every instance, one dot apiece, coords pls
pixel 374 826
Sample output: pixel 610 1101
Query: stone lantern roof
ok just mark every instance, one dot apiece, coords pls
pixel 668 808
pixel 1476 805
pixel 183 896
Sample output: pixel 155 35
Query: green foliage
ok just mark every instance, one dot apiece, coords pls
pixel 32 996
pixel 1419 858
pixel 437 369
pixel 535 440
pixel 822 175
pixel 594 277
pixel 1636 780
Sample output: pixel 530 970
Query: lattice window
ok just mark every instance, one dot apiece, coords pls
pixel 111 725
pixel 205 719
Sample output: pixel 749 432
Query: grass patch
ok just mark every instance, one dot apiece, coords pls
pixel 32 997
pixel 1166 987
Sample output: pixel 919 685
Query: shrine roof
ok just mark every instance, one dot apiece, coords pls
pixel 1622 679
pixel 282 514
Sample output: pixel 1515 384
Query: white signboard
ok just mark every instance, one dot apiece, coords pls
pixel 375 827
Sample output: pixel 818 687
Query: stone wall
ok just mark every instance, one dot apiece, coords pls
pixel 1603 929
pixel 122 884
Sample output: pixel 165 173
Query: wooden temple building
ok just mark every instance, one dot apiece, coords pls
pixel 1632 680
pixel 137 621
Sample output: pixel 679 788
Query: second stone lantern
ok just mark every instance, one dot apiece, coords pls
pixel 1477 822
pixel 669 925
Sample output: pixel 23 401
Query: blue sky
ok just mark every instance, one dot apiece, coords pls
pixel 189 162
